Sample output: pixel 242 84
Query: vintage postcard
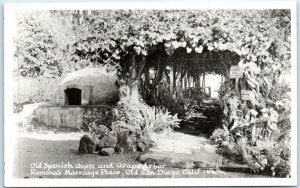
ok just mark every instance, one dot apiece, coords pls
pixel 151 94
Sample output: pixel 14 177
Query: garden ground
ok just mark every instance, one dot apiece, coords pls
pixel 52 146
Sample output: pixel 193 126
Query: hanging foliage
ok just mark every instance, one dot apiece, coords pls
pixel 107 36
pixel 253 33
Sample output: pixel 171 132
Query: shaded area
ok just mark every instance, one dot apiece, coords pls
pixel 203 120
pixel 73 96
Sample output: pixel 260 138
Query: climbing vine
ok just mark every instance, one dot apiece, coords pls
pixel 110 36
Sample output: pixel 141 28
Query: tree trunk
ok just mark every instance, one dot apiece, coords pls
pixel 160 71
pixel 203 82
pixel 134 82
pixel 181 83
pixel 168 79
pixel 134 75
pixel 236 86
pixel 174 80
pixel 146 84
pixel 185 82
pixel 197 81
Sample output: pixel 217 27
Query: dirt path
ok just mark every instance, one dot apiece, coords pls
pixel 182 150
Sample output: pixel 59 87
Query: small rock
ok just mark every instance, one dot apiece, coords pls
pixel 29 121
pixel 260 157
pixel 255 151
pixel 143 143
pixel 141 147
pixel 199 164
pixel 107 151
pixel 109 140
pixel 86 145
pixel 183 164
pixel 130 143
pixel 264 162
pixel 144 140
pixel 101 131
pixel 119 150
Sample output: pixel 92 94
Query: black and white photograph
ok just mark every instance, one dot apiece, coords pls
pixel 123 94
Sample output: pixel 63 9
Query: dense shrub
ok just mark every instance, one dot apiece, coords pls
pixel 185 102
pixel 269 156
pixel 135 117
pixel 263 143
pixel 96 119
pixel 176 105
pixel 131 121
pixel 226 89
pixel 33 90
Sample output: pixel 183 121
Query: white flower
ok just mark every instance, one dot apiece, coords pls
pixel 199 49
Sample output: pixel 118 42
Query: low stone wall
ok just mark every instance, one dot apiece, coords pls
pixel 70 116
